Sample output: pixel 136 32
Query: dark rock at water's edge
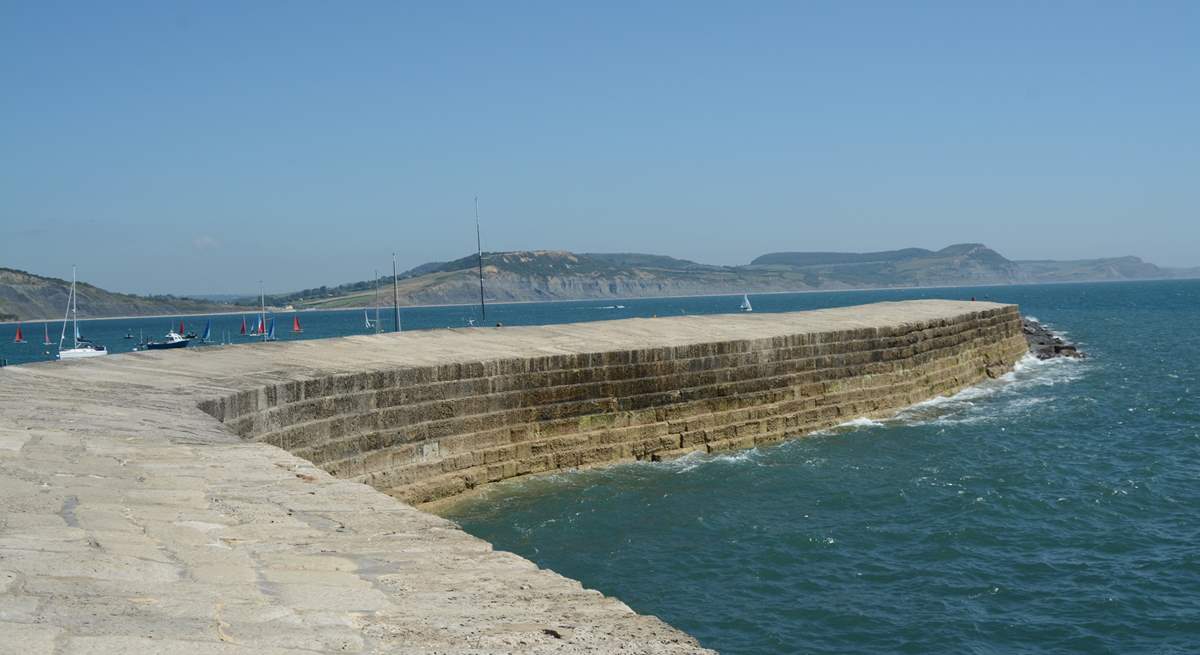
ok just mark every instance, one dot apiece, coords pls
pixel 1044 344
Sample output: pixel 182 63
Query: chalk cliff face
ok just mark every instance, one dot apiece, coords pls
pixel 560 275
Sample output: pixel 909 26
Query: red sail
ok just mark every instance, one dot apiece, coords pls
pixel 46 329
pixel 181 326
pixel 243 325
pixel 20 337
pixel 296 324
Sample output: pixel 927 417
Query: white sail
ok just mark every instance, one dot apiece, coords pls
pixel 746 304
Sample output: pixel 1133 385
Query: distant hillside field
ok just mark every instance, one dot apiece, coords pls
pixel 25 296
pixel 560 275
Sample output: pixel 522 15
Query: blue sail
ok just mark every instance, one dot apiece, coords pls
pixel 207 331
pixel 271 330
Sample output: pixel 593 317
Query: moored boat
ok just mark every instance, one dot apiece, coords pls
pixel 173 340
pixel 82 347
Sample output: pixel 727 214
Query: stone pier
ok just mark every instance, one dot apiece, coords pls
pixel 259 498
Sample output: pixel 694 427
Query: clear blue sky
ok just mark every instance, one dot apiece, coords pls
pixel 198 147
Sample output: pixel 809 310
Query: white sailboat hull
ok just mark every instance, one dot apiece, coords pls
pixel 80 353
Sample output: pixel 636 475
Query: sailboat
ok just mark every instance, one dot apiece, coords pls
pixel 81 347
pixel 243 326
pixel 296 324
pixel 207 332
pixel 746 304
pixel 270 331
pixel 46 334
pixel 20 338
pixel 262 317
pixel 367 323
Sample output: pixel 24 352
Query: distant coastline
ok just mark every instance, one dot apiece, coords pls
pixel 250 311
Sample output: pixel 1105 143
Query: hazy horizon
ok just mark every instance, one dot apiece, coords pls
pixel 196 149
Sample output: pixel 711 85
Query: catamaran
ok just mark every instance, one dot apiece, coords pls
pixel 746 304
pixel 82 347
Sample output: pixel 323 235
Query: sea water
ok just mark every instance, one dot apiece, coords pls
pixel 1056 510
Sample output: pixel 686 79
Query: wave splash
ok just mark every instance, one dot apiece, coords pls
pixel 1011 395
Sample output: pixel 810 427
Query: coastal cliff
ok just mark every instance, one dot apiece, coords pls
pixel 541 275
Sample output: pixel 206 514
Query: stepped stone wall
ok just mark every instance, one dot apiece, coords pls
pixel 133 522
pixel 427 432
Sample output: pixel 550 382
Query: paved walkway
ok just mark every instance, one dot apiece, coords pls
pixel 132 522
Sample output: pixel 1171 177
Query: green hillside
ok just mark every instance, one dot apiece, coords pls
pixel 25 296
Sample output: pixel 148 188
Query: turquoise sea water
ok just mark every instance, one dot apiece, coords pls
pixel 1054 511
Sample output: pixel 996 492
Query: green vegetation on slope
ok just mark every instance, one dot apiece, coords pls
pixel 560 275
pixel 25 296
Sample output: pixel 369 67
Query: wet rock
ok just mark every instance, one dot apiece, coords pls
pixel 1044 344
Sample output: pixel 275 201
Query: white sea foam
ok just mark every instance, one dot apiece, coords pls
pixel 861 422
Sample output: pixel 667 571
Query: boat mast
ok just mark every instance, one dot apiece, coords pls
pixel 74 308
pixel 262 317
pixel 67 315
pixel 395 293
pixel 479 254
pixel 377 328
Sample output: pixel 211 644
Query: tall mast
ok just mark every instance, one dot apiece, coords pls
pixel 377 330
pixel 395 293
pixel 67 314
pixel 479 254
pixel 262 316
pixel 74 307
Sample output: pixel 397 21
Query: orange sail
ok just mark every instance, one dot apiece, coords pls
pixel 296 324
pixel 20 337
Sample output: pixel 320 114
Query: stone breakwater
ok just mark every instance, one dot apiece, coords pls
pixel 429 432
pixel 132 521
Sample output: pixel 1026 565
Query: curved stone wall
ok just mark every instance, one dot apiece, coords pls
pixel 427 432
